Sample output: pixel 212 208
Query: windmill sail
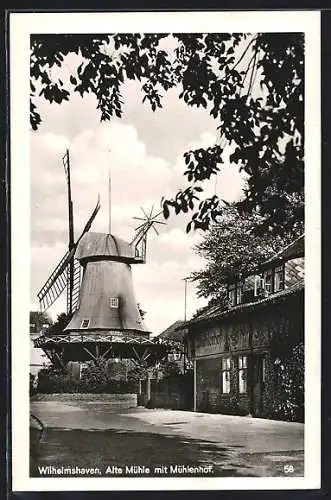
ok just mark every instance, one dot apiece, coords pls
pixel 59 278
pixel 89 222
pixel 73 299
pixel 56 283
pixel 140 239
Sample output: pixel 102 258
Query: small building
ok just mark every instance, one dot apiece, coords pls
pixel 38 359
pixel 175 333
pixel 244 355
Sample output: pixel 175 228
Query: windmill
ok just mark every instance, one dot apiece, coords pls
pixel 105 319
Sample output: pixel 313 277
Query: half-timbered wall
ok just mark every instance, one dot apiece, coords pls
pixel 256 335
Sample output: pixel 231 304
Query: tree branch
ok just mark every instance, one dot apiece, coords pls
pixel 252 73
pixel 244 53
pixel 246 73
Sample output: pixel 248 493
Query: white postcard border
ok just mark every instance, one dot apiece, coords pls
pixel 22 24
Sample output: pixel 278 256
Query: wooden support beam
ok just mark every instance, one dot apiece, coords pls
pixel 89 352
pixel 48 355
pixel 137 355
pixel 143 357
pixel 52 354
pixel 60 361
pixel 104 354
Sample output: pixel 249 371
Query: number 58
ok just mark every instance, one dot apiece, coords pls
pixel 288 468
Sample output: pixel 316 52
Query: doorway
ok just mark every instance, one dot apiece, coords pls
pixel 258 375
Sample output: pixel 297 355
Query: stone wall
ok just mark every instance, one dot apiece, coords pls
pixel 120 401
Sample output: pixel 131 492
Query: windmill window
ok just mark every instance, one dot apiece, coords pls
pixel 113 302
pixel 85 323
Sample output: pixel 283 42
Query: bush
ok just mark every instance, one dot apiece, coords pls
pixel 289 396
pixel 94 380
pixel 232 407
pixel 33 388
pixel 170 369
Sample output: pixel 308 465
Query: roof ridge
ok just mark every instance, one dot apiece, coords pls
pixel 297 286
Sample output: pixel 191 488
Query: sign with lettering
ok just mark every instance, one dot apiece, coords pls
pixel 212 341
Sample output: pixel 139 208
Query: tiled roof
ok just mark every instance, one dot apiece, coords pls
pixel 291 251
pixel 216 312
pixel 173 332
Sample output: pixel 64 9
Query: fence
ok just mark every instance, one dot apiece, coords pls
pixel 172 392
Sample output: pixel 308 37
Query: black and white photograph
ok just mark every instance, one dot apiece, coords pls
pixel 165 172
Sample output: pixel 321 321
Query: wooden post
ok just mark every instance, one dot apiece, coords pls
pixel 194 385
pixel 185 297
pixel 109 200
pixel 148 385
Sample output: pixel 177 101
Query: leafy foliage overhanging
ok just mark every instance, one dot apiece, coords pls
pixel 231 249
pixel 253 85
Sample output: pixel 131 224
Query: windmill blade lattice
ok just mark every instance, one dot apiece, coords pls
pixel 56 283
pixel 59 278
pixel 148 221
pixel 74 299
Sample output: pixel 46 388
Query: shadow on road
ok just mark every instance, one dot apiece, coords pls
pixel 119 448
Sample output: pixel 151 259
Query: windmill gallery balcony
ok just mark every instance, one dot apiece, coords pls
pixel 98 345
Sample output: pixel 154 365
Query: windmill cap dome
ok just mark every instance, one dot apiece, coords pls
pixel 107 246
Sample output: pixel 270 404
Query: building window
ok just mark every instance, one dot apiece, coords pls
pixel 242 365
pixel 113 302
pixel 85 323
pixel 258 286
pixel 232 295
pixel 268 282
pixel 263 369
pixel 235 292
pixel 279 278
pixel 278 369
pixel 239 291
pixel 226 363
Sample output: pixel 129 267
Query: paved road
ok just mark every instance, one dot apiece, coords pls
pixel 233 446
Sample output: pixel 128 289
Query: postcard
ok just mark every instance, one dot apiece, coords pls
pixel 165 222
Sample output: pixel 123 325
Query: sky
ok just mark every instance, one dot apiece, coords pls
pixel 144 150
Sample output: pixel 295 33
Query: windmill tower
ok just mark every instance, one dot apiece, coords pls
pixel 107 300
pixel 105 319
